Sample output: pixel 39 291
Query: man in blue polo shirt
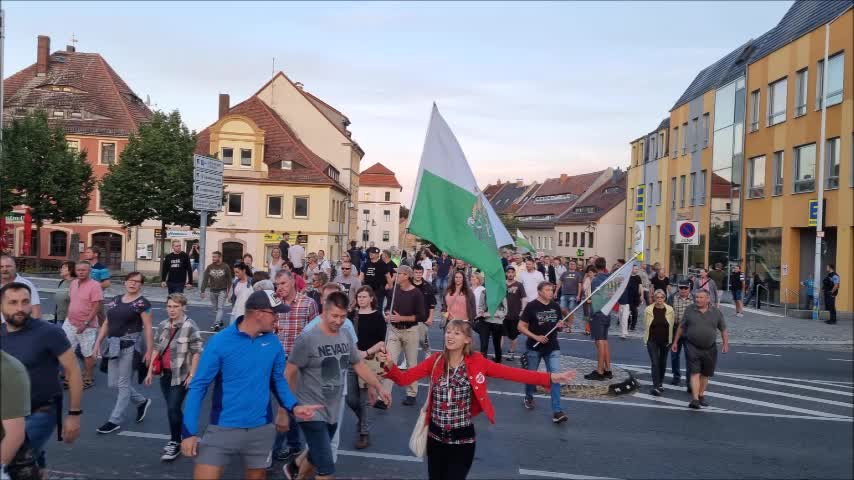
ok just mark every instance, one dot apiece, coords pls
pixel 243 362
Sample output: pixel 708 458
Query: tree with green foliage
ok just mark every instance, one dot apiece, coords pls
pixel 39 171
pixel 153 179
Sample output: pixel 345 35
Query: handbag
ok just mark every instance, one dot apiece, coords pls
pixel 418 438
pixel 157 363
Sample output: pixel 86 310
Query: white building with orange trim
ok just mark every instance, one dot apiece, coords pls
pixel 379 207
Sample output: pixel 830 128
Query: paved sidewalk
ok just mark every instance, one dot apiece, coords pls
pixel 757 327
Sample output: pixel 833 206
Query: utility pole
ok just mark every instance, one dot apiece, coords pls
pixel 819 233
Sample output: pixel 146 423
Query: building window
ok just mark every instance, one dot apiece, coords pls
pixel 246 157
pixel 300 207
pixel 574 239
pixel 661 145
pixel 756 177
pixel 649 194
pixel 684 138
pixel 804 169
pixel 387 215
pixel 366 212
pixel 702 196
pixel 754 110
pixel 58 243
pixel 227 155
pixel 693 188
pixel 559 239
pixel 287 165
pixel 657 237
pixel 801 80
pixel 834 80
pixel 386 235
pixel 582 240
pixel 274 206
pixel 108 153
pixel 705 126
pixel 387 196
pixel 673 192
pixel 778 173
pixel 831 165
pixel 682 191
pixel 234 205
pixel 73 145
pixel 658 194
pixel 777 102
pixel 695 130
pixel 590 239
pixel 675 148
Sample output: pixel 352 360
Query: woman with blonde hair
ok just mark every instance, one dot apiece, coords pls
pixel 176 350
pixel 458 393
pixel 658 335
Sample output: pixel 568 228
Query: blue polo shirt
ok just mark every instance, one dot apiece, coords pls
pixel 243 371
pixel 38 346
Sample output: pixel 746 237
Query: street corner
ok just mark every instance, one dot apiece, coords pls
pixel 622 382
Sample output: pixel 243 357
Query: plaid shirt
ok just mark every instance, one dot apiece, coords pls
pixel 289 325
pixel 187 341
pixel 679 306
pixel 452 404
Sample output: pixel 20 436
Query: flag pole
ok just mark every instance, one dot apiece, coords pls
pixel 581 303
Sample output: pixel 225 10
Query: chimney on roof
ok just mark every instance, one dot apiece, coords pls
pixel 224 104
pixel 563 178
pixel 42 55
pixel 70 49
pixel 299 85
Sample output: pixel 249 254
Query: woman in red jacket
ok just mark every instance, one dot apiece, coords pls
pixel 459 393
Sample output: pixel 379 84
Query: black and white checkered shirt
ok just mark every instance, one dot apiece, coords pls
pixel 451 409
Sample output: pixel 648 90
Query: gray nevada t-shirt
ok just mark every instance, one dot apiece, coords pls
pixel 322 359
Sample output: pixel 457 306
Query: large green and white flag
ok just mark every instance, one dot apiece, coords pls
pixel 449 210
pixel 607 294
pixel 522 244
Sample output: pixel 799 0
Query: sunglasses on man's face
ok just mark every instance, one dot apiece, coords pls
pixel 345 268
pixel 683 288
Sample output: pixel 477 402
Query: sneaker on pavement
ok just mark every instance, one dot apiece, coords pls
pixel 287 454
pixel 409 401
pixel 171 451
pixel 363 441
pixel 695 405
pixel 594 375
pixel 108 427
pixel 660 390
pixel 291 470
pixel 703 401
pixel 655 393
pixel 608 374
pixel 380 405
pixel 529 403
pixel 676 381
pixel 142 410
pixel 739 315
pixel 559 417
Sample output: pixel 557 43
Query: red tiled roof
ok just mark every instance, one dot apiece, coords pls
pixel 378 175
pixel 280 143
pixel 492 190
pixel 574 185
pixel 105 103
pixel 720 186
pixel 601 201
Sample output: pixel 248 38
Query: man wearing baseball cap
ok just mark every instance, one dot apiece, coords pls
pixel 680 301
pixel 377 274
pixel 243 361
pixel 406 312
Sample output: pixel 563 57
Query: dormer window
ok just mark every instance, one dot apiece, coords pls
pixel 287 165
pixel 332 173
pixel 584 210
pixel 611 190
pixel 246 157
pixel 227 156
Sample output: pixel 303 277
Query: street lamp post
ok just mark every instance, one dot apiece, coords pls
pixel 364 234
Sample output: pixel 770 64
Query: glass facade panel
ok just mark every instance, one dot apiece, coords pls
pixel 777 102
pixel 696 256
pixel 764 248
pixel 722 155
pixel 724 106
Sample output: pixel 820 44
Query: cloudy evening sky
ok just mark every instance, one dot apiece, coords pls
pixel 532 90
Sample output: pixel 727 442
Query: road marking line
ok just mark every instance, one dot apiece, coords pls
pixel 541 473
pixel 762 378
pixel 755 402
pixel 763 354
pixel 755 311
pixel 671 401
pixel 840 360
pixel 161 436
pixel 383 456
pixel 802 380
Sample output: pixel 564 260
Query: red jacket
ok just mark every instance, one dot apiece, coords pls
pixel 478 368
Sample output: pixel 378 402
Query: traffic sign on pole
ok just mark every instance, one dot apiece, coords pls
pixel 687 233
pixel 207 197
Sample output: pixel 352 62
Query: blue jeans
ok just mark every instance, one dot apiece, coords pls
pixel 552 361
pixel 568 302
pixel 318 436
pixel 174 395
pixel 292 436
pixel 39 427
pixel 441 286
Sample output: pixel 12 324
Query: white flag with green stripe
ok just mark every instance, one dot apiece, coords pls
pixel 604 298
pixel 449 210
pixel 522 244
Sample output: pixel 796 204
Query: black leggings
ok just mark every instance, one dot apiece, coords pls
pixel 633 315
pixel 485 329
pixel 448 461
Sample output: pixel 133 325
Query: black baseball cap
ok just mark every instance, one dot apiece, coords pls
pixel 684 284
pixel 373 250
pixel 510 267
pixel 266 300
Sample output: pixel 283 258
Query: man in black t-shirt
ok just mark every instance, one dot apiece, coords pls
pixel 404 315
pixel 540 322
pixel 376 275
pixel 429 306
pixel 515 302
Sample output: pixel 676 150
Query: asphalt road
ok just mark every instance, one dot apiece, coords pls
pixel 775 413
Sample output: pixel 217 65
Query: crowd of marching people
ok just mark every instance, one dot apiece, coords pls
pixel 319 335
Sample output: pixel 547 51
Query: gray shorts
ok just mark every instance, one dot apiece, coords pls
pixel 219 445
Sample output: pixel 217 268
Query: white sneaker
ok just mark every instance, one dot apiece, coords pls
pixel 739 315
pixel 171 451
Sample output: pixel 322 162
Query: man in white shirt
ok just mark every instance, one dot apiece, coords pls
pixel 296 254
pixel 9 274
pixel 324 264
pixel 530 278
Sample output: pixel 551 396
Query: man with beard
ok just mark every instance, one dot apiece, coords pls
pixel 42 348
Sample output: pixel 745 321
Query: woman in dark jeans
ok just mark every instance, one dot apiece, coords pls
pixel 458 393
pixel 370 330
pixel 658 335
pixel 178 362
